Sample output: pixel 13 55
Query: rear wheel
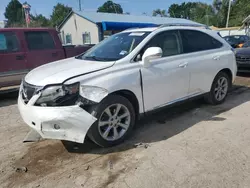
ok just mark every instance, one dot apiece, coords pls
pixel 115 120
pixel 219 89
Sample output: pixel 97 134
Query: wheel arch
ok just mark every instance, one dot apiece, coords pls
pixel 229 73
pixel 131 97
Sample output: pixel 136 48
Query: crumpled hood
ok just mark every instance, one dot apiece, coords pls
pixel 59 71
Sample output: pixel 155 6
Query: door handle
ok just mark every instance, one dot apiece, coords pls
pixel 183 65
pixel 20 57
pixel 216 58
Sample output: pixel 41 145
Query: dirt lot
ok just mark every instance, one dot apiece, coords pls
pixel 192 145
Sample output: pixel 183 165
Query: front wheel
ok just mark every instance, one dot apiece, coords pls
pixel 219 89
pixel 115 121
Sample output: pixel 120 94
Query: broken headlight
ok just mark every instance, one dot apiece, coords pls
pixel 59 95
pixel 93 93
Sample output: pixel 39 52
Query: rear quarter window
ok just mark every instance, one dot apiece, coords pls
pixel 195 41
pixel 39 40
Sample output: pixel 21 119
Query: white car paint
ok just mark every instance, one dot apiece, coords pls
pixel 165 81
pixel 59 71
pixel 71 120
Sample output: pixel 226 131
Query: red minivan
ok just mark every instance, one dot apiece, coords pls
pixel 23 49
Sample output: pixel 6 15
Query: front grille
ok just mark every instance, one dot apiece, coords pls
pixel 243 59
pixel 28 91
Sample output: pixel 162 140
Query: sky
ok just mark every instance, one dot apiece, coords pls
pixel 135 7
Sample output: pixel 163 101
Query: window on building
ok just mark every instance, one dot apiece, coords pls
pixel 39 40
pixel 68 39
pixel 195 41
pixel 86 38
pixel 8 42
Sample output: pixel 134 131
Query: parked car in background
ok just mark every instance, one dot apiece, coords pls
pixel 236 41
pixel 243 58
pixel 246 44
pixel 23 49
pixel 101 94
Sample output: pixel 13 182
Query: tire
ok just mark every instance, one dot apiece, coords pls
pixel 212 96
pixel 98 131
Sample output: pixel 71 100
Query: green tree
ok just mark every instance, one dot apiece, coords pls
pixel 159 12
pixel 110 7
pixel 240 10
pixel 13 13
pixel 39 21
pixel 59 13
pixel 196 11
pixel 221 7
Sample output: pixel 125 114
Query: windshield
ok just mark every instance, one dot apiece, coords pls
pixel 115 47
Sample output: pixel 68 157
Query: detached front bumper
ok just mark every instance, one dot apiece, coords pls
pixel 63 123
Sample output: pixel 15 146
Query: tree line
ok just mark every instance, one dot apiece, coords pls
pixel 215 14
pixel 15 16
pixel 210 14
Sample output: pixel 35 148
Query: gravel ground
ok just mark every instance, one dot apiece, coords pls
pixel 191 145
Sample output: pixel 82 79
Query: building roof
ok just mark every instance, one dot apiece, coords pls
pixel 97 17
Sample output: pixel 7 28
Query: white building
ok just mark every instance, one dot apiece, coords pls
pixel 246 25
pixel 2 23
pixel 230 31
pixel 91 27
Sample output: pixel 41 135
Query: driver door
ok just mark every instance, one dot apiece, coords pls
pixel 166 80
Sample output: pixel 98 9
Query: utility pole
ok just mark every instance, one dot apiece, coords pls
pixel 228 12
pixel 80 5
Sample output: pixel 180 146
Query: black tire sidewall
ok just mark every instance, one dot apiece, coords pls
pixel 97 111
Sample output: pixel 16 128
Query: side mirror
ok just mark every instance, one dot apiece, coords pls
pixel 151 54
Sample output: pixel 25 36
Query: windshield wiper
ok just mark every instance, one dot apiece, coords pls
pixel 93 57
pixel 99 58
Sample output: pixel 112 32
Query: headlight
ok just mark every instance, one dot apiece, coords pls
pixel 54 93
pixel 92 93
pixel 50 94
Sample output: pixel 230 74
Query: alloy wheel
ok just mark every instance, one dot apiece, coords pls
pixel 114 122
pixel 221 89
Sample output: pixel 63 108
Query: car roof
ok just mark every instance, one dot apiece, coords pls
pixel 151 29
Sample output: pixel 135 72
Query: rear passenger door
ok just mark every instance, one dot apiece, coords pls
pixel 41 48
pixel 204 56
pixel 12 59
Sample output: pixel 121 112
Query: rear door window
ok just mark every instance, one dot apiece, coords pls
pixel 195 41
pixel 39 40
pixel 8 42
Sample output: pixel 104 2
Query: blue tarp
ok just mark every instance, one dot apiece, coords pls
pixel 124 25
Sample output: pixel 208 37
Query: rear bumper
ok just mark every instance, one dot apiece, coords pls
pixel 63 123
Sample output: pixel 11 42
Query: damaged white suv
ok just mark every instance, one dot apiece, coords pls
pixel 101 93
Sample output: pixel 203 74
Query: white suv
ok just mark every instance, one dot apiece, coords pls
pixel 101 93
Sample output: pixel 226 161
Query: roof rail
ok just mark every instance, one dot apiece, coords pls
pixel 185 24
